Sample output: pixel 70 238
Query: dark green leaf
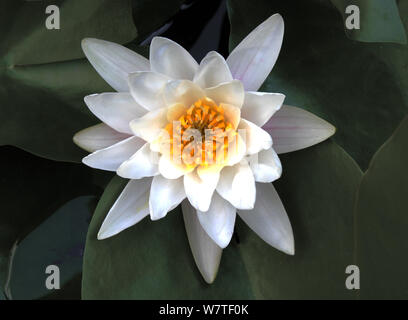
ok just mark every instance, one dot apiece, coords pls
pixel 317 188
pixel 58 241
pixel 43 78
pixel 361 88
pixel 379 21
pixel 153 259
pixel 382 221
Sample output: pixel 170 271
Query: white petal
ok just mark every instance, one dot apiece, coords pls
pixel 269 219
pixel 113 156
pixel 171 59
pixel 255 137
pixel 260 106
pixel 237 185
pixel 253 59
pixel 115 109
pixel 206 253
pixel 165 195
pixel 171 170
pixel 98 137
pixel 142 164
pixel 212 71
pixel 130 207
pixel 200 191
pixel 219 221
pixel 184 92
pixel 113 62
pixel 150 125
pixel 228 92
pixel 293 129
pixel 266 166
pixel 147 87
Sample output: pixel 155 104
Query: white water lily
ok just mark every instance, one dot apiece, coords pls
pixel 171 92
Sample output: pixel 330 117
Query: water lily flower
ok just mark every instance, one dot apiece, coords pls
pixel 161 99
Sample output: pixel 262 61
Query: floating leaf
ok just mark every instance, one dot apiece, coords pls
pixel 382 221
pixel 58 241
pixel 361 88
pixel 379 20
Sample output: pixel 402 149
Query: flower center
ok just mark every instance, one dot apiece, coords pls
pixel 201 136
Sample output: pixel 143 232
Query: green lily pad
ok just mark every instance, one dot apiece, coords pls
pixel 152 260
pixel 32 189
pixel 44 76
pixel 361 88
pixel 58 241
pixel 382 221
pixel 379 21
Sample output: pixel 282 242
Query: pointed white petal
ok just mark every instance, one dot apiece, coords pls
pixel 237 185
pixel 146 88
pixel 130 207
pixel 142 164
pixel 171 59
pixel 293 129
pixel 113 62
pixel 165 195
pixel 228 92
pixel 115 109
pixel 212 71
pixel 219 221
pixel 200 191
pixel 98 137
pixel 260 106
pixel 253 59
pixel 255 137
pixel 266 166
pixel 184 92
pixel 206 253
pixel 269 219
pixel 113 156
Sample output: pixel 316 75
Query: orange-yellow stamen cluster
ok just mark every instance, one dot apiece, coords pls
pixel 201 136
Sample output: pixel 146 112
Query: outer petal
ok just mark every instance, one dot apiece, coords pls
pixel 206 253
pixel 146 88
pixel 165 195
pixel 200 191
pixel 219 221
pixel 293 129
pixel 113 62
pixel 131 207
pixel 237 185
pixel 112 157
pixel 142 164
pixel 260 106
pixel 269 219
pixel 212 71
pixel 266 166
pixel 182 91
pixel 228 92
pixel 171 59
pixel 253 59
pixel 98 137
pixel 115 109
pixel 255 137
